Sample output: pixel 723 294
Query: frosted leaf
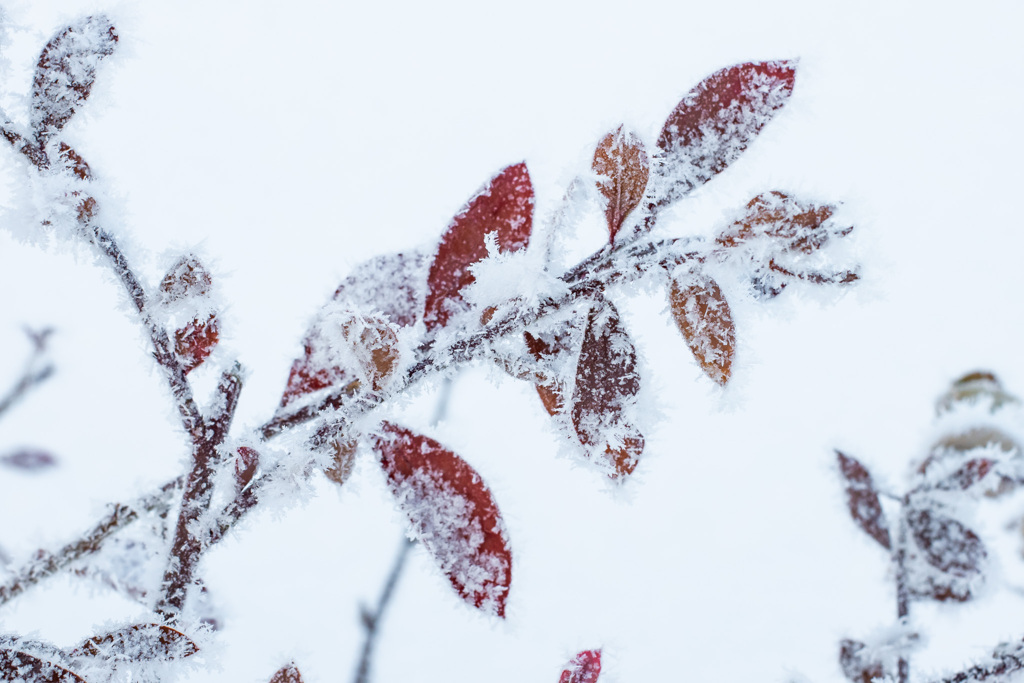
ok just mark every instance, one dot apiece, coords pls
pixel 621 160
pixel 287 674
pixel 452 513
pixel 66 71
pixel 715 122
pixel 22 667
pixel 703 316
pixel 392 284
pixel 796 225
pixel 585 667
pixel 138 643
pixel 946 544
pixel 857 663
pixel 862 499
pixel 504 206
pixel 607 384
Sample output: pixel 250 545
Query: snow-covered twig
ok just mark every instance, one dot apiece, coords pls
pixel 371 620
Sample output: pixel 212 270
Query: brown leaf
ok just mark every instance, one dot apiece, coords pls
pixel 74 162
pixel 287 674
pixel 141 642
pixel 66 71
pixel 344 452
pixel 800 226
pixel 22 667
pixel 947 544
pixel 607 383
pixel 504 206
pixel 585 667
pixel 246 464
pixel 702 315
pixel 715 122
pixel 857 667
pixel 865 508
pixel 548 347
pixel 452 512
pixel 621 159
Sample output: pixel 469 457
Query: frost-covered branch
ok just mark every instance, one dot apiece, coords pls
pixel 371 620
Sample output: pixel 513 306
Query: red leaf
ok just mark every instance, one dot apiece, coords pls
pixel 287 674
pixel 607 382
pixel 505 207
pixel 548 347
pixel 21 666
pixel 585 667
pixel 194 342
pixel 452 513
pixel 141 642
pixel 702 315
pixel 66 71
pixel 715 122
pixel 865 508
pixel 621 158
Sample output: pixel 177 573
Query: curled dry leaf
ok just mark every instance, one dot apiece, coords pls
pixel 344 348
pixel 22 667
pixel 66 71
pixel 800 226
pixel 504 206
pixel 702 315
pixel 946 544
pixel 856 665
pixel 452 512
pixel 715 122
pixel 585 667
pixel 862 498
pixel 607 383
pixel 621 160
pixel 287 674
pixel 141 642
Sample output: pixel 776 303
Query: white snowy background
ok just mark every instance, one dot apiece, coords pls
pixel 287 143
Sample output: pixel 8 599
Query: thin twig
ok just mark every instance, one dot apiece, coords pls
pixel 902 587
pixel 1001 665
pixel 371 620
pixel 119 517
pixel 32 376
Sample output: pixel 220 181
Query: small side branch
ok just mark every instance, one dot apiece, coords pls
pixel 902 589
pixel 1001 665
pixel 371 620
pixel 33 375
pixel 91 542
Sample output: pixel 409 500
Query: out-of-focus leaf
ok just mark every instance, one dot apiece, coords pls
pixel 66 71
pixel 607 383
pixel 716 121
pixel 393 285
pixel 856 665
pixel 452 512
pixel 29 459
pixel 975 387
pixel 141 642
pixel 968 475
pixel 287 674
pixel 946 544
pixel 862 498
pixel 702 315
pixel 344 452
pixel 21 667
pixel 585 667
pixel 797 225
pixel 504 206
pixel 621 160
